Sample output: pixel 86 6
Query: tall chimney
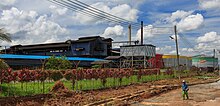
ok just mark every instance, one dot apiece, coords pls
pixel 129 34
pixel 142 30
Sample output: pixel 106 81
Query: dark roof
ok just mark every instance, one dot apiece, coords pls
pixel 84 40
pixel 114 57
pixel 108 39
pixel 39 46
pixel 89 37
pixel 138 45
pixel 59 44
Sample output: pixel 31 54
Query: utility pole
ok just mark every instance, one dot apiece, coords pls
pixel 177 50
pixel 213 59
pixel 5 50
pixel 129 34
pixel 142 32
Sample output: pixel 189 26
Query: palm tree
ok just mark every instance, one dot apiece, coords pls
pixel 4 36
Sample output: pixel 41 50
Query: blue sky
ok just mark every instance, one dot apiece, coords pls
pixel 40 21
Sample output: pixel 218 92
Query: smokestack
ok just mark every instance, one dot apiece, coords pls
pixel 129 34
pixel 142 24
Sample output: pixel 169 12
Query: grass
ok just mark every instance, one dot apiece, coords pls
pixel 32 88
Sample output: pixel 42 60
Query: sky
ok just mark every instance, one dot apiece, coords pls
pixel 41 21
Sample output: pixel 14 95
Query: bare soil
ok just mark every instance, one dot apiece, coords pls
pixel 69 98
pixel 199 95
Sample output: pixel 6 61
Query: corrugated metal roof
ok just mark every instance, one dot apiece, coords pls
pixel 12 56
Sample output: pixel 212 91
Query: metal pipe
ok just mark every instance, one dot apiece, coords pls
pixel 129 34
pixel 142 30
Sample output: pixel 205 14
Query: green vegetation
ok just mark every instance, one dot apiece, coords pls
pixel 3 65
pixel 32 88
pixel 58 63
pixel 96 66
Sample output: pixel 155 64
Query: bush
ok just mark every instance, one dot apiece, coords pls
pixel 3 65
pixel 60 63
pixel 56 75
pixel 96 66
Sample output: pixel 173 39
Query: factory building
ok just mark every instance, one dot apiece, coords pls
pixel 94 46
pixel 137 55
pixel 171 61
pixel 205 62
pixel 81 50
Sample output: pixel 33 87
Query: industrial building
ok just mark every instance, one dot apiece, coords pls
pixel 87 47
pixel 137 55
pixel 205 62
pixel 36 61
pixel 82 52
pixel 171 61
pixel 94 46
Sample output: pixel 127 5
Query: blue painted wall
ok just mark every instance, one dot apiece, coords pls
pixel 85 45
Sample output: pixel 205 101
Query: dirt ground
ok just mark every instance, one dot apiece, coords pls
pixel 69 98
pixel 199 95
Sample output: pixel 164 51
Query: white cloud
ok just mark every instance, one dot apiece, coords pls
pixel 150 31
pixel 7 2
pixel 172 50
pixel 208 37
pixel 124 11
pixel 28 27
pixel 208 42
pixel 114 32
pixel 56 10
pixel 191 22
pixel 209 4
pixel 185 20
pixel 179 14
pixel 147 32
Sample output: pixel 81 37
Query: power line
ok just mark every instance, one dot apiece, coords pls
pixel 95 16
pixel 187 43
pixel 87 11
pixel 105 12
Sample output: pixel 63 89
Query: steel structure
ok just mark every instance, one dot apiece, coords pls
pixel 137 55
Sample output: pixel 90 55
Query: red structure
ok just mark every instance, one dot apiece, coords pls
pixel 156 62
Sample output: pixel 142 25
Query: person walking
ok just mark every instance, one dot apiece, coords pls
pixel 185 90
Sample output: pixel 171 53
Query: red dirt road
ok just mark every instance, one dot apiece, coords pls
pixel 199 95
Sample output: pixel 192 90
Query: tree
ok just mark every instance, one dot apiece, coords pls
pixel 58 63
pixel 4 36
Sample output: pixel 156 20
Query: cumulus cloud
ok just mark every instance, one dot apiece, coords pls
pixel 208 37
pixel 147 32
pixel 57 10
pixel 209 4
pixel 150 31
pixel 185 20
pixel 171 50
pixel 178 15
pixel 7 2
pixel 28 27
pixel 208 42
pixel 124 10
pixel 191 22
pixel 114 32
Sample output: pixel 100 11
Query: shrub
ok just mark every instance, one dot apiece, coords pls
pixel 3 65
pixel 56 75
pixel 60 63
pixel 96 66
